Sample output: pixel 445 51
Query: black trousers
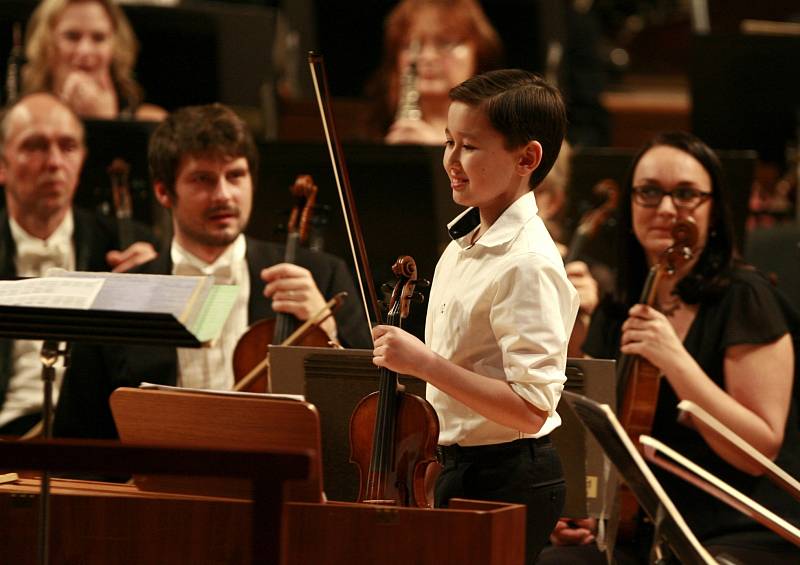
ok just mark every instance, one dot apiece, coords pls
pixel 525 471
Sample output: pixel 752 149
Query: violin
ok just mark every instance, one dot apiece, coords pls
pixel 638 380
pixel 393 434
pixel 119 171
pixel 251 349
pixel 387 444
pixel 594 219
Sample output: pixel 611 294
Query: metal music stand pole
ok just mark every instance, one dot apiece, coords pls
pixel 49 356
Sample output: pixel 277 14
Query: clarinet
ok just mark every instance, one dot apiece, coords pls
pixel 408 102
pixel 16 59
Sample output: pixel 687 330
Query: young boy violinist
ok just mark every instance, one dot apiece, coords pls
pixel 501 308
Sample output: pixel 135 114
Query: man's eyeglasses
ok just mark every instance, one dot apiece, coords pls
pixel 682 197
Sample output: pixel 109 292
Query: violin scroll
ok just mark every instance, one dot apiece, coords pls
pixel 684 234
pixel 304 192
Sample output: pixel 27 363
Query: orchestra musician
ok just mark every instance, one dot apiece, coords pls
pixel 448 41
pixel 203 164
pixel 551 199
pixel 501 308
pixel 84 52
pixel 720 335
pixel 41 155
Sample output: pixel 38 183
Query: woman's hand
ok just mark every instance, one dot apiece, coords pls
pixel 399 351
pixel 89 96
pixel 648 333
pixel 574 532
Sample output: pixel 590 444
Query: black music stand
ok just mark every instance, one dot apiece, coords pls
pixel 672 534
pixel 55 325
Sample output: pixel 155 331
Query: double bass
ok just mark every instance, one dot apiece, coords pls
pixel 393 434
pixel 638 380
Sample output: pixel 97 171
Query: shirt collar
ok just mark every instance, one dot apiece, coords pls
pixel 61 236
pixel 503 230
pixel 185 262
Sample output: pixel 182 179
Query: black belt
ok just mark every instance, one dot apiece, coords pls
pixel 457 452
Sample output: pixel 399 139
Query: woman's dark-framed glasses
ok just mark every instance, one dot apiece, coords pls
pixel 650 196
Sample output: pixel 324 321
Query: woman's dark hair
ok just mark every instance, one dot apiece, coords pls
pixel 711 272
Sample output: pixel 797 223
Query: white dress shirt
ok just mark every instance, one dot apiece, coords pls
pixel 212 367
pixel 502 307
pixel 33 258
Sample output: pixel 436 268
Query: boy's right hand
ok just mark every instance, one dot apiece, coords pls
pixel 571 531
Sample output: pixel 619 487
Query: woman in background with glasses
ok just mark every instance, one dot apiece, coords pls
pixel 447 41
pixel 720 335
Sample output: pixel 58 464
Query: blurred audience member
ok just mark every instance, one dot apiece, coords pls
pixel 84 51
pixel 430 46
pixel 551 199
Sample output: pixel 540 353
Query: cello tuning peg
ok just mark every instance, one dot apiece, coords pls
pixel 387 288
pixel 423 283
pixel 418 297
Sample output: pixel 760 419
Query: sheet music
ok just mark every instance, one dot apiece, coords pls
pixel 126 292
pixel 52 292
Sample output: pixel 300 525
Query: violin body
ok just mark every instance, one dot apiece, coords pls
pixel 253 345
pixel 641 396
pixel 638 411
pixel 412 449
pixel 393 434
pixel 638 379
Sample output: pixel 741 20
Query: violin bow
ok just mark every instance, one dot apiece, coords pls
pixel 352 224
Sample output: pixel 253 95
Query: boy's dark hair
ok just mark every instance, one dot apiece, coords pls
pixel 211 130
pixel 523 107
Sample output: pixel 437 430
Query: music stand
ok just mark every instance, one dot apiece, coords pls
pixel 670 528
pixel 771 470
pixel 54 325
pixel 669 459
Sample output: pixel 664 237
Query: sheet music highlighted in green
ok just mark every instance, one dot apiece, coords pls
pixel 212 316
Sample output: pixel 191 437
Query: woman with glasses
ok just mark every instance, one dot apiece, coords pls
pixel 430 46
pixel 721 337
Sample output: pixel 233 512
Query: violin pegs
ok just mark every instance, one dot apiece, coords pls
pixel 418 297
pixel 423 283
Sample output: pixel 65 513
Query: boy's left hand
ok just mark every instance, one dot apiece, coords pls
pixel 399 351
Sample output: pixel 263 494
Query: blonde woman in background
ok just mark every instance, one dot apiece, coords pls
pixel 84 51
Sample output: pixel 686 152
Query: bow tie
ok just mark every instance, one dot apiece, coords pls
pixel 35 257
pixel 223 273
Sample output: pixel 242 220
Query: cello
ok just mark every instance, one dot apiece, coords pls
pixel 251 371
pixel 397 430
pixel 638 380
pixel 593 220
